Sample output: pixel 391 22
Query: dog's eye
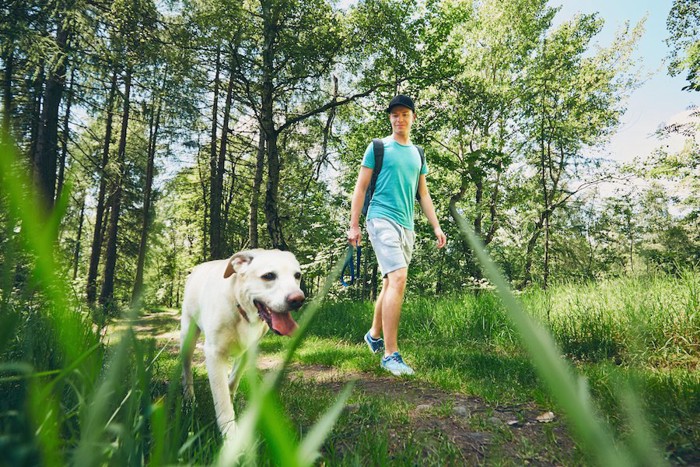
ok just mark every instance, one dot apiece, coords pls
pixel 270 276
pixel 297 276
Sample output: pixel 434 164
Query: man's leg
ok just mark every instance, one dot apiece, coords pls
pixel 390 311
pixel 376 330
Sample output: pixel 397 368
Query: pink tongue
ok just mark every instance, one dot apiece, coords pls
pixel 283 323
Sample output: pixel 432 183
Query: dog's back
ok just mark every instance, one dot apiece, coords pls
pixel 204 284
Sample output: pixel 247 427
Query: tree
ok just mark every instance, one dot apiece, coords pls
pixel 134 23
pixel 684 41
pixel 474 115
pixel 571 101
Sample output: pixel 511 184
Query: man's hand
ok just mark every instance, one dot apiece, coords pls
pixel 354 236
pixel 441 237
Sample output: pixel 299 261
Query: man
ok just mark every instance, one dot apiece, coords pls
pixel 390 225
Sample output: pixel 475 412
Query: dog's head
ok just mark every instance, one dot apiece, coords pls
pixel 268 280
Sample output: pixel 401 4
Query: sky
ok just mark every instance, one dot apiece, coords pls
pixel 660 99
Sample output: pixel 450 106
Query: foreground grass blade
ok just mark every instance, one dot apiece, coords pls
pixel 305 322
pixel 37 234
pixel 571 393
pixel 309 449
pixel 265 412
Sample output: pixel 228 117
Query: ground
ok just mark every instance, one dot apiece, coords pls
pixel 477 432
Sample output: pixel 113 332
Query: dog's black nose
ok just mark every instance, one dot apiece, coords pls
pixel 296 300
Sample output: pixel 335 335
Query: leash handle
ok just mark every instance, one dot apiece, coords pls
pixel 349 264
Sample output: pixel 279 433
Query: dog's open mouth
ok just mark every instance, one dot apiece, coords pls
pixel 281 323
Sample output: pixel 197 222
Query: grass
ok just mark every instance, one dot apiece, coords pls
pixel 70 399
pixel 485 365
pixel 641 334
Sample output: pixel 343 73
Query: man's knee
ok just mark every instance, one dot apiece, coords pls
pixel 397 278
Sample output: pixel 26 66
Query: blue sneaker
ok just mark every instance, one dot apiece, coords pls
pixel 375 345
pixel 395 365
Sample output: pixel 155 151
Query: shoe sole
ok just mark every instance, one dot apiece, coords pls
pixel 399 373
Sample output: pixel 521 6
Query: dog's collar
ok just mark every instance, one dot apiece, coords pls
pixel 243 313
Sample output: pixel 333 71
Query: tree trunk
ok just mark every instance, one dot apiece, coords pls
pixel 255 196
pixel 228 202
pixel 530 251
pixel 8 60
pixel 46 160
pixel 478 199
pixel 78 240
pixel 545 274
pixel 66 135
pixel 472 269
pixel 375 282
pixel 488 238
pixel 274 223
pixel 154 125
pixel 97 236
pixel 37 96
pixel 214 200
pixel 107 292
pixel 204 254
pixel 216 226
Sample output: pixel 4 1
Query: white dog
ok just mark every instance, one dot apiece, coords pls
pixel 230 301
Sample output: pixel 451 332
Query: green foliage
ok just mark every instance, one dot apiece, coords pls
pixel 684 41
pixel 68 402
pixel 508 108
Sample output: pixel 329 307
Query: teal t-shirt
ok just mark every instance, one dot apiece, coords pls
pixel 395 192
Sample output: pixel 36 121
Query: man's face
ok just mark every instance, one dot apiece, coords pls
pixel 401 119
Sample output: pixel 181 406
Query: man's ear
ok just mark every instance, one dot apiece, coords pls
pixel 238 262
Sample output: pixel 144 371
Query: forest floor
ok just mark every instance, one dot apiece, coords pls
pixel 442 427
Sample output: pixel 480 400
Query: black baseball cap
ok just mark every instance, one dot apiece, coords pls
pixel 402 100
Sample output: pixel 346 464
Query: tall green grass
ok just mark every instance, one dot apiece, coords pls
pixel 68 398
pixel 616 357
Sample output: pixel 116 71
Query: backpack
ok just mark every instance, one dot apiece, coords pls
pixel 378 146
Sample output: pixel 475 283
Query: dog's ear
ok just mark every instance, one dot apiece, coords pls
pixel 238 263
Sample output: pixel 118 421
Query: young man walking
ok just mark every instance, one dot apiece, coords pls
pixel 390 225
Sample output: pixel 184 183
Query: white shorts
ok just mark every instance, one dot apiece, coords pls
pixel 392 244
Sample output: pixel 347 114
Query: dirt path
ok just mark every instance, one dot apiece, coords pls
pixel 469 423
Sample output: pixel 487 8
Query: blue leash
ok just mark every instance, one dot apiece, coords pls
pixel 349 264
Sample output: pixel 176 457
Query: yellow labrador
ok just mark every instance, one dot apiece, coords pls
pixel 230 301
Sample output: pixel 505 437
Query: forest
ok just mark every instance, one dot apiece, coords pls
pixel 155 135
pixel 187 131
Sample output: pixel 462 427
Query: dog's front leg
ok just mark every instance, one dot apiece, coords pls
pixel 217 366
pixel 239 367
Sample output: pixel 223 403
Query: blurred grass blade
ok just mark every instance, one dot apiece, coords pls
pixel 277 431
pixel 45 410
pixel 264 411
pixel 642 442
pixel 23 204
pixel 309 449
pixel 309 313
pixel 158 433
pixel 571 396
pixel 73 337
pixel 97 418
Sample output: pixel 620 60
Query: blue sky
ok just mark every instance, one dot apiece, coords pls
pixel 660 99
